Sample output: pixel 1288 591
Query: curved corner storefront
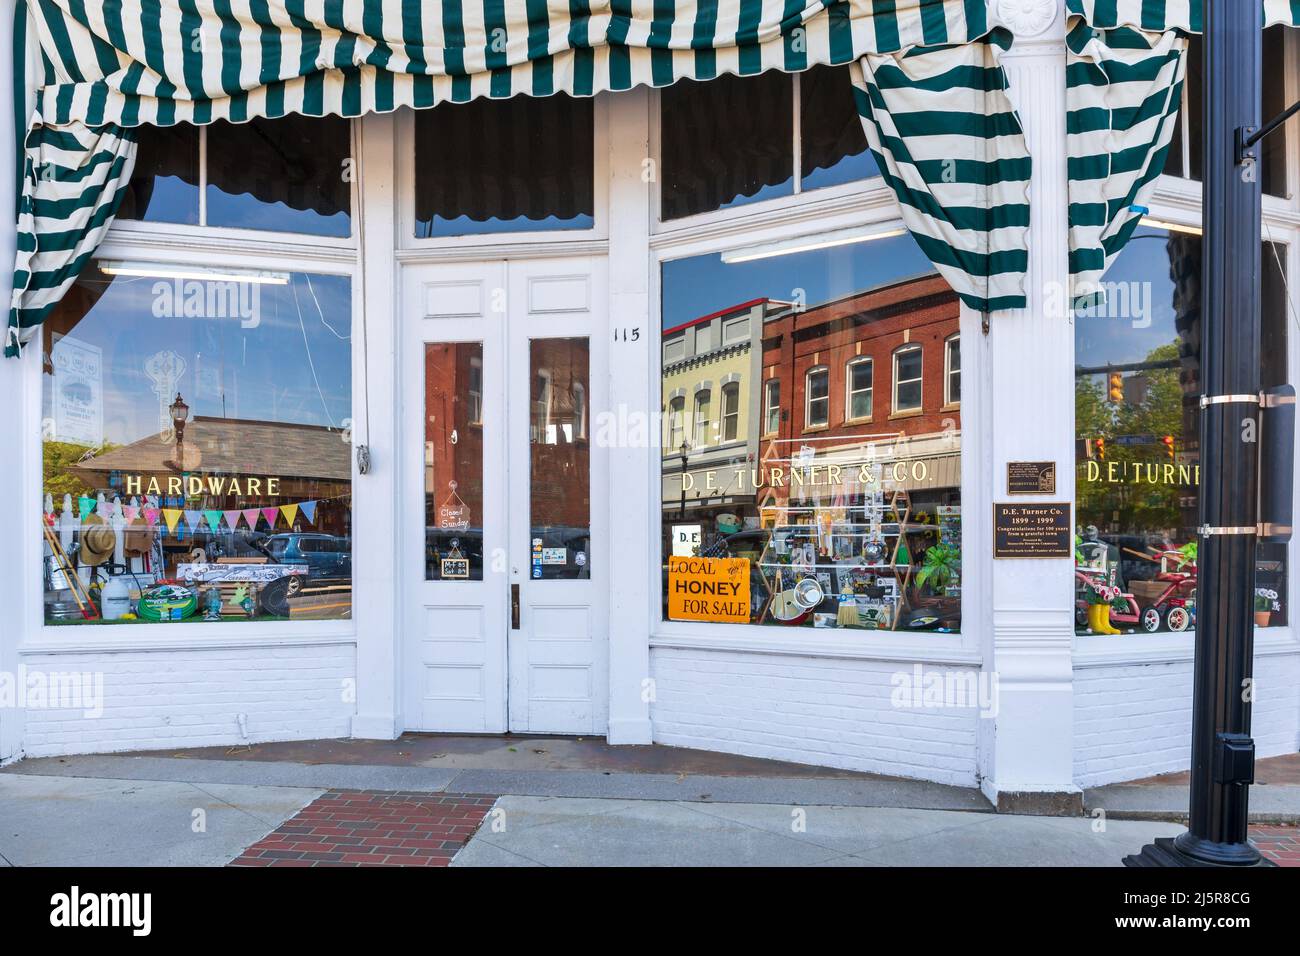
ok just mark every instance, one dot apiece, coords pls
pixel 645 415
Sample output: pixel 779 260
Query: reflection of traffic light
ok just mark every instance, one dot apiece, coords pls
pixel 1168 441
pixel 1100 445
pixel 1115 387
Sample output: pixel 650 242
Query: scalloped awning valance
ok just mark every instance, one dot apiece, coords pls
pixel 929 87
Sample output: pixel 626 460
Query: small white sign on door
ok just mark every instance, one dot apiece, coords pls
pixel 686 540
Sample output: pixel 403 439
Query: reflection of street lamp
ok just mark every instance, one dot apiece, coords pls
pixel 683 451
pixel 179 412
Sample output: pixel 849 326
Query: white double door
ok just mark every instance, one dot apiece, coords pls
pixel 505 545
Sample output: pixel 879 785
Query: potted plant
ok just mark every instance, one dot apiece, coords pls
pixel 1101 596
pixel 1265 604
pixel 939 568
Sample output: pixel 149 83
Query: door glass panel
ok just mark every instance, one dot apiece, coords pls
pixel 453 461
pixel 559 473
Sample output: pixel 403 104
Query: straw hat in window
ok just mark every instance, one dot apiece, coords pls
pixel 97 541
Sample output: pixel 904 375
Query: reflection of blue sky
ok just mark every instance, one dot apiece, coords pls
pixel 846 170
pixel 245 211
pixel 172 199
pixel 263 373
pixel 1101 340
pixel 465 226
pixel 704 284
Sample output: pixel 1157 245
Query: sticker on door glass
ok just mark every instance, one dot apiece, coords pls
pixel 708 589
pixel 555 555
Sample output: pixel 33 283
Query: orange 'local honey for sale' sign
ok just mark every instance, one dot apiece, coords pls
pixel 708 589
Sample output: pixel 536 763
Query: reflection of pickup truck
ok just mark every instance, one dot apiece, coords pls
pixel 324 555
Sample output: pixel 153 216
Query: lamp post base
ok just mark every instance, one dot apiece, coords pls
pixel 1167 852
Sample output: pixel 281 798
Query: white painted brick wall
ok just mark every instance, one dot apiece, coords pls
pixel 191 698
pixel 827 711
pixel 1133 721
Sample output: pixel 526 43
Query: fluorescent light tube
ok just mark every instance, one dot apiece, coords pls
pixel 827 240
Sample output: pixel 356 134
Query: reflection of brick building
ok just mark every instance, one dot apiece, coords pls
pixel 872 328
pixel 558 434
pixel 453 428
pixel 558 431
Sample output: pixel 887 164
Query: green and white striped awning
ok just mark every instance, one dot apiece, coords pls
pixel 930 90
pixel 1124 79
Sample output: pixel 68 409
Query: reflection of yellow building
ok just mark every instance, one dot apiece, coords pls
pixel 710 407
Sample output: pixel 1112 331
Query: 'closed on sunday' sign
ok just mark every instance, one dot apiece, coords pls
pixel 708 589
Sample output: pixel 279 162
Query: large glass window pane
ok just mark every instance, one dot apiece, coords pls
pixel 1137 430
pixel 1273 150
pixel 165 183
pixel 849 523
pixel 560 467
pixel 196 445
pixel 517 165
pixel 453 461
pixel 726 142
pixel 832 145
pixel 288 175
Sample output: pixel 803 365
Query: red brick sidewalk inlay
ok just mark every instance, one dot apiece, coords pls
pixel 372 828
pixel 1279 844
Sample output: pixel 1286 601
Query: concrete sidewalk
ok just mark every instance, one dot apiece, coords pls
pixel 79 821
pixel 860 790
pixel 95 821
pixel 535 801
pixel 545 831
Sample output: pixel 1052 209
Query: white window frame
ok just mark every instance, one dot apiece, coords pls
pixel 699 424
pixel 949 399
pixel 730 390
pixel 676 424
pixel 808 424
pixel 522 243
pixel 850 391
pixel 476 394
pixel 895 380
pixel 796 206
pixel 201 235
pixel 770 386
pixel 207 248
pixel 580 411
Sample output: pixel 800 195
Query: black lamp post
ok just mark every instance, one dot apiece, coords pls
pixel 1223 753
pixel 179 412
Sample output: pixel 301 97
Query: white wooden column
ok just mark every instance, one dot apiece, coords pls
pixel 1027 753
pixel 376 566
pixel 633 397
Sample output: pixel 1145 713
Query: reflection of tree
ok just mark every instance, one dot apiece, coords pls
pixel 60 478
pixel 1142 505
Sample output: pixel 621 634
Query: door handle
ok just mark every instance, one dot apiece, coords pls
pixel 514 607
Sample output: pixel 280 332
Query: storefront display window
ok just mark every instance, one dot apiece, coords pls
pixel 733 140
pixel 196 444
pixel 491 166
pixel 1137 421
pixel 284 175
pixel 790 508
